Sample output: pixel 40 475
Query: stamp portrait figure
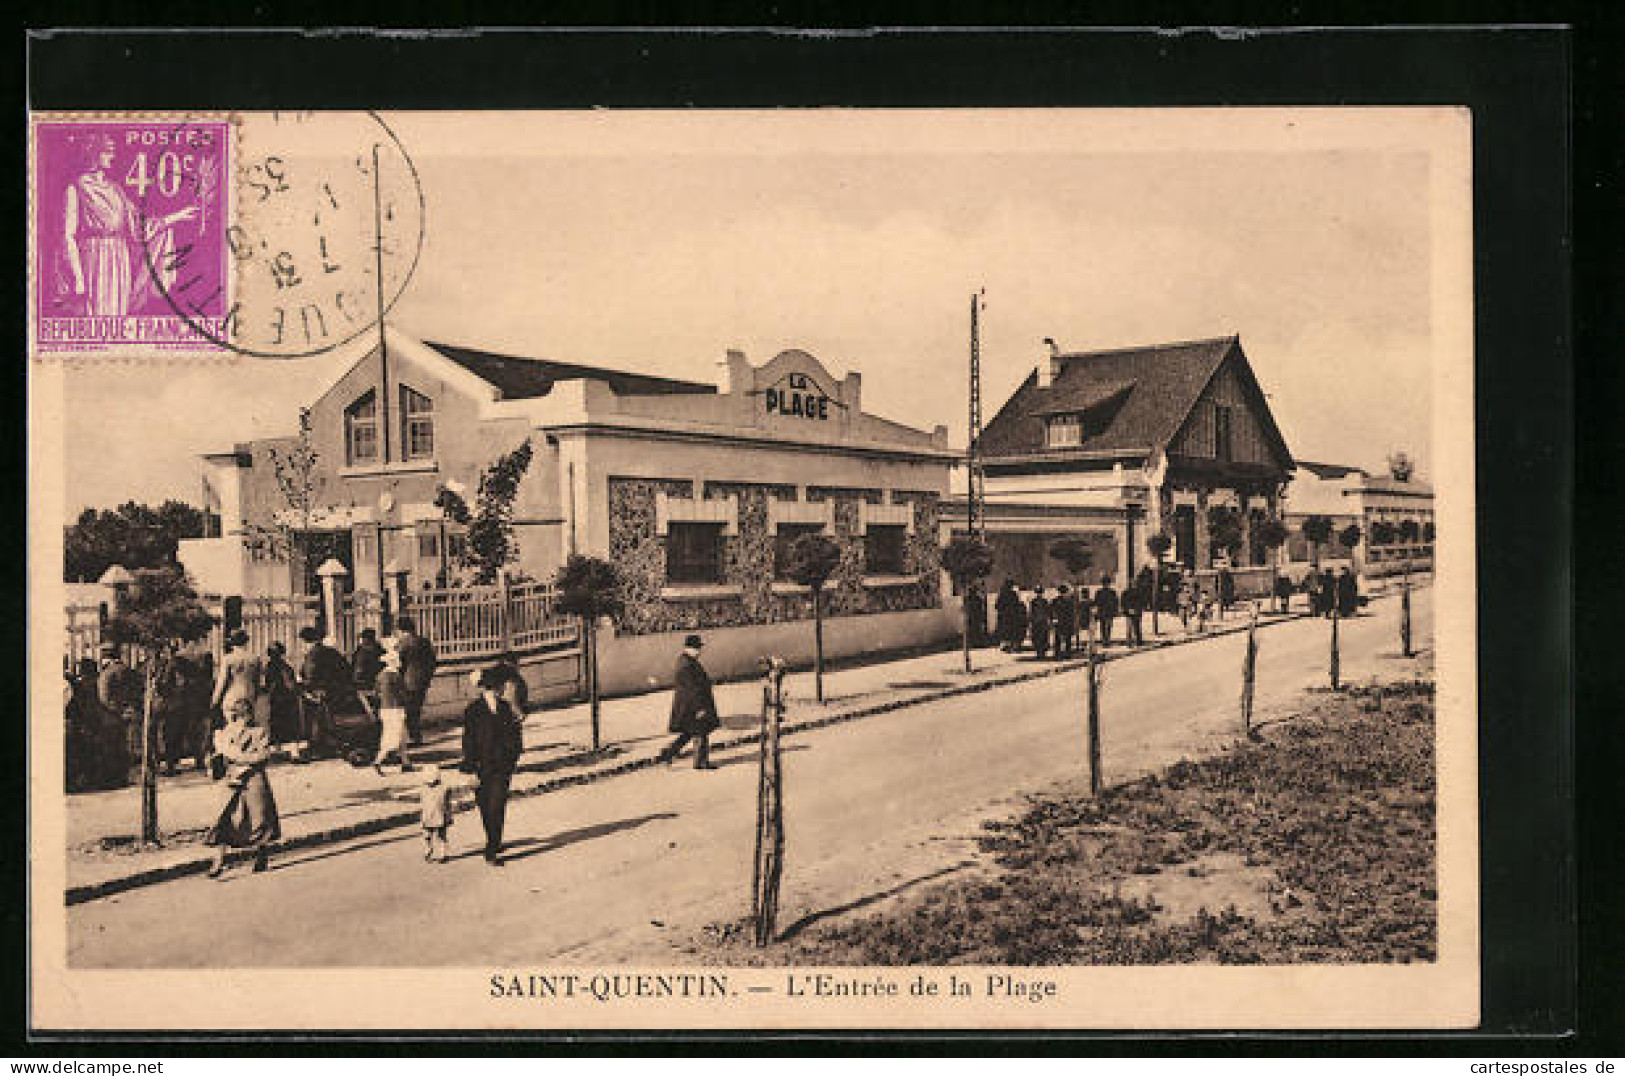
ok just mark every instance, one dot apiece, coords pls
pixel 104 236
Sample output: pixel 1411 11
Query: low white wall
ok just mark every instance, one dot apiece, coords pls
pixel 630 664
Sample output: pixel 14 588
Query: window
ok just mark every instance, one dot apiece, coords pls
pixel 361 430
pixel 429 545
pixel 1065 431
pixel 883 549
pixel 1221 433
pixel 694 553
pixel 788 533
pixel 456 545
pixel 417 425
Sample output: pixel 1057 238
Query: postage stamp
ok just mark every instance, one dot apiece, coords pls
pixel 130 219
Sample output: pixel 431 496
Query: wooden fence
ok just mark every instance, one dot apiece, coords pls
pixel 464 623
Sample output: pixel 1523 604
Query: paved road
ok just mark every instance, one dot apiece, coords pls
pixel 629 869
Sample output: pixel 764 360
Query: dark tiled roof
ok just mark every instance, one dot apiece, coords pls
pixel 519 379
pixel 1329 470
pixel 1164 381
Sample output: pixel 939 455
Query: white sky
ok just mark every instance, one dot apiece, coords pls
pixel 655 242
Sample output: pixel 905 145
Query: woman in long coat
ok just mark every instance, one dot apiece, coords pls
pixel 1007 607
pixel 1039 618
pixel 248 818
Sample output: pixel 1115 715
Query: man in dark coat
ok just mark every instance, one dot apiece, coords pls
pixel 1106 610
pixel 1007 610
pixel 282 689
pixel 1038 622
pixel 1283 593
pixel 1328 593
pixel 328 685
pixel 367 660
pixel 693 707
pixel 1134 599
pixel 119 688
pixel 1063 613
pixel 417 673
pixel 1227 590
pixel 1348 594
pixel 492 744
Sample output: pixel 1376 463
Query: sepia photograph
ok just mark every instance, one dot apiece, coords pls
pixel 987 568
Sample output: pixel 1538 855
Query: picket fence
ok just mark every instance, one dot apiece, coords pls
pixel 464 623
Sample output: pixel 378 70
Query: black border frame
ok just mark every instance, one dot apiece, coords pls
pixel 1516 81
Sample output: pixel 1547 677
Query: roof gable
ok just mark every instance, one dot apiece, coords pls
pixel 1162 383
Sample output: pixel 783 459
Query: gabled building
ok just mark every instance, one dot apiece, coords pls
pixel 694 490
pixel 1346 495
pixel 1118 445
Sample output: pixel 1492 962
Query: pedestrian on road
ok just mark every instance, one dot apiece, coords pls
pixel 1106 609
pixel 1086 615
pixel 1189 594
pixel 1008 610
pixel 434 813
pixel 1227 590
pixel 1328 592
pixel 367 660
pixel 1348 594
pixel 1038 621
pixel 492 743
pixel 248 817
pixel 1283 593
pixel 241 678
pixel 514 688
pixel 693 707
pixel 1064 614
pixel 1134 598
pixel 391 712
pixel 282 692
pixel 120 690
pixel 328 684
pixel 417 673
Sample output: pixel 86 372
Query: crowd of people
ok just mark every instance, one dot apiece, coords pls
pixel 1052 623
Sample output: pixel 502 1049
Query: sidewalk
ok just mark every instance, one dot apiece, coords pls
pixel 330 801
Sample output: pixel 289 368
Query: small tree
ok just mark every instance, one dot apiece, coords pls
pixel 1383 533
pixel 1076 556
pixel 1317 531
pixel 813 559
pixel 968 561
pixel 1159 544
pixel 1427 531
pixel 300 484
pixel 490 546
pixel 1271 534
pixel 1349 537
pixel 158 613
pixel 589 588
pixel 1224 531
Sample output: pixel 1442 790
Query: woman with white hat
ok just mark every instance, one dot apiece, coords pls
pixel 392 710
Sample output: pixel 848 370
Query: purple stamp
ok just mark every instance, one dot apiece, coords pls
pixel 130 221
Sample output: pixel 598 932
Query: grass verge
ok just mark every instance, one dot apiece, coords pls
pixel 1313 844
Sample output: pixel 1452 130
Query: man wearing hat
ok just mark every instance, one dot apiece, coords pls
pixel 119 689
pixel 492 744
pixel 693 707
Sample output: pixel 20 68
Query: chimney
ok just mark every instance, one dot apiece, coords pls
pixel 734 375
pixel 1050 365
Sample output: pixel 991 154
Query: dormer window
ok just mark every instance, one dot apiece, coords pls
pixel 1064 431
pixel 417 425
pixel 361 430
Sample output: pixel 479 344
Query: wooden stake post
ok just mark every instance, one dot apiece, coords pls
pixel 1405 613
pixel 1092 671
pixel 1249 670
pixel 768 870
pixel 1335 661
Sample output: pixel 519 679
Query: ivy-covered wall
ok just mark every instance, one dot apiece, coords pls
pixel 747 559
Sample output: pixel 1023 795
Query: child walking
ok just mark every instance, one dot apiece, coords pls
pixel 434 811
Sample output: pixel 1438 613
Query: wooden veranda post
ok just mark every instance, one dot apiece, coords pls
pixel 768 868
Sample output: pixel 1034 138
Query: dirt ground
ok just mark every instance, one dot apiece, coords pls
pixel 1312 843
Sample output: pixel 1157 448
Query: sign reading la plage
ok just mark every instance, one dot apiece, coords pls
pixel 798 396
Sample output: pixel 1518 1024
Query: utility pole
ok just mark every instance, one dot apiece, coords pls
pixel 976 484
pixel 383 345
